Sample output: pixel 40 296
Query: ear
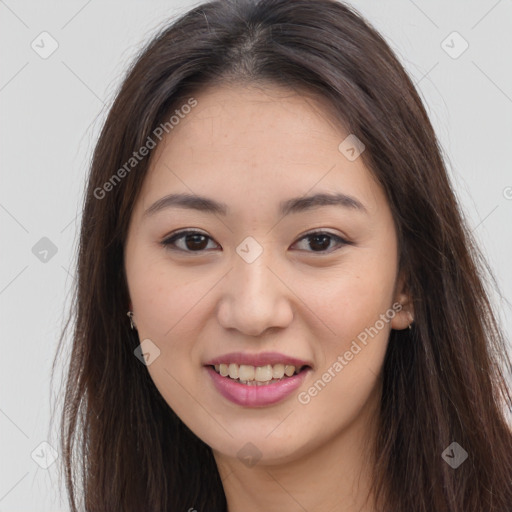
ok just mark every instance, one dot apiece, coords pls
pixel 405 316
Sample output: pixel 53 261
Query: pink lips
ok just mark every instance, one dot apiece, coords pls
pixel 256 396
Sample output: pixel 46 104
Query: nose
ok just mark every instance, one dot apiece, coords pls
pixel 254 298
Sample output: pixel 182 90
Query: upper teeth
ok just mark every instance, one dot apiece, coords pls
pixel 246 372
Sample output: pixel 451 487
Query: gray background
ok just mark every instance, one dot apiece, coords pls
pixel 51 112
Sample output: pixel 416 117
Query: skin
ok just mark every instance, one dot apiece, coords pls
pixel 251 148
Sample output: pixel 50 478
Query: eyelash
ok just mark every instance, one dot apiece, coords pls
pixel 169 242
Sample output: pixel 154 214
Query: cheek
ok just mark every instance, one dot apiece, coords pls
pixel 162 295
pixel 347 378
pixel 171 307
pixel 167 303
pixel 350 299
pixel 356 306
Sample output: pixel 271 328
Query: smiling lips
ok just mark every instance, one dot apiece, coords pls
pixel 256 380
pixel 263 367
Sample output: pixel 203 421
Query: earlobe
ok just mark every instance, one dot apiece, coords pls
pixel 130 316
pixel 404 318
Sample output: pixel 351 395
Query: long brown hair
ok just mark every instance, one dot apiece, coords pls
pixel 123 447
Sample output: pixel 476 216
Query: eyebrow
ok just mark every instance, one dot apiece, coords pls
pixel 294 205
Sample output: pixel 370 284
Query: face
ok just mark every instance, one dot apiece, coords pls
pixel 284 277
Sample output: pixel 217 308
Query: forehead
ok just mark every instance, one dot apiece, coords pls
pixel 260 142
pixel 231 114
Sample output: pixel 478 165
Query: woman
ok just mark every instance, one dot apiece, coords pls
pixel 307 326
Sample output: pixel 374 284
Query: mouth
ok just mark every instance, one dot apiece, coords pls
pixel 257 380
pixel 258 375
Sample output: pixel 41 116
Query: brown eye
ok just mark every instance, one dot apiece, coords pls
pixel 320 241
pixel 195 242
pixel 190 241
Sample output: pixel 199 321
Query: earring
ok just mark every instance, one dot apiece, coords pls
pixel 130 315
